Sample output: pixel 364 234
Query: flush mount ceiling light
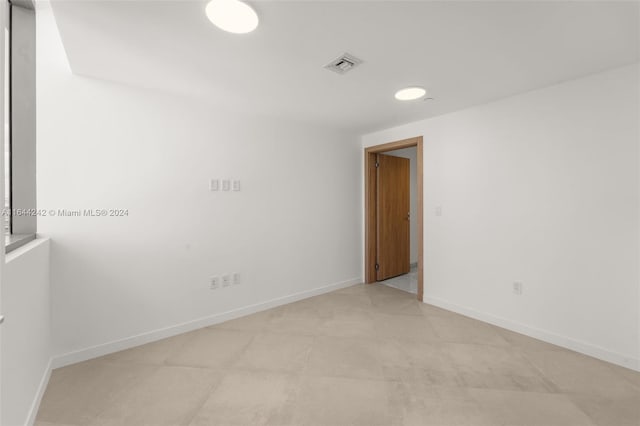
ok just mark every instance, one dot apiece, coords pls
pixel 233 16
pixel 410 93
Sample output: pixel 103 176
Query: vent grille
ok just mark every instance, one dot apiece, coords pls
pixel 343 64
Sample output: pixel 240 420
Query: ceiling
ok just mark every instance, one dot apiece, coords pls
pixel 464 53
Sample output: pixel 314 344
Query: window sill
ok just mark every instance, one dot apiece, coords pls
pixel 14 241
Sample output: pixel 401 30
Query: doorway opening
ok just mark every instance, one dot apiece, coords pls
pixel 388 215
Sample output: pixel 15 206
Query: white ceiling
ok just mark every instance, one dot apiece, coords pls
pixel 465 53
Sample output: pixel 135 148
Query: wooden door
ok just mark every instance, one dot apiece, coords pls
pixel 392 207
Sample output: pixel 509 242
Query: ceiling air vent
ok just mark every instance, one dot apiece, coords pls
pixel 344 63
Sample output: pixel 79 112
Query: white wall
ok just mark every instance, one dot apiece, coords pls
pixel 540 188
pixel 293 228
pixel 412 155
pixel 26 332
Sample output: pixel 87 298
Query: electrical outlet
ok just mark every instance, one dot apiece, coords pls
pixel 517 288
pixel 226 280
pixel 236 278
pixel 214 283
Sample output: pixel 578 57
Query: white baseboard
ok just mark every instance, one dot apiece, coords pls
pixel 544 335
pixel 163 333
pixel 35 405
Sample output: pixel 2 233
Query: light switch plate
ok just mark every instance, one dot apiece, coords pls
pixel 214 185
pixel 517 288
pixel 214 283
pixel 226 280
pixel 236 185
pixel 226 185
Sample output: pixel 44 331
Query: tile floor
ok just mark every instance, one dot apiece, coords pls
pixel 365 355
pixel 407 282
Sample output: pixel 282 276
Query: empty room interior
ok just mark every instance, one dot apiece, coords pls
pixel 320 213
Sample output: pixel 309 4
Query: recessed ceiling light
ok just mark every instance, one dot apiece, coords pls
pixel 233 16
pixel 410 93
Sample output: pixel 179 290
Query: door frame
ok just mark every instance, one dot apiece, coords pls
pixel 370 228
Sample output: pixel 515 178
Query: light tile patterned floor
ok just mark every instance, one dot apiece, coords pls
pixel 407 282
pixel 366 355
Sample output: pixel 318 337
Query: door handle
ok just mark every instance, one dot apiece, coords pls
pixel 1 319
